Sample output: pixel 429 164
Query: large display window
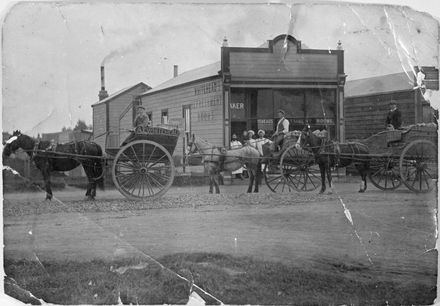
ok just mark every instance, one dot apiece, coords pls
pixel 258 108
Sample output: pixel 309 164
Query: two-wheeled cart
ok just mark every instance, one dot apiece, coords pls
pixel 143 167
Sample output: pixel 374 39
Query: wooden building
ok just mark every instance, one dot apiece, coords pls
pixel 113 115
pixel 367 102
pixel 247 86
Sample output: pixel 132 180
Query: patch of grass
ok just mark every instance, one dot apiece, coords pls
pixel 233 280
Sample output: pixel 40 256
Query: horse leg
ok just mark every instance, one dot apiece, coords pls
pixel 322 170
pixel 46 177
pixel 363 172
pixel 211 182
pixel 90 193
pixel 251 180
pixel 256 175
pixel 329 178
pixel 217 182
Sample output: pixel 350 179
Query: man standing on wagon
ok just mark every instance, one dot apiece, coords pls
pixel 281 130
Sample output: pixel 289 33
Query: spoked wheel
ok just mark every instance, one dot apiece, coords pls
pixel 143 170
pixel 298 171
pixel 384 173
pixel 418 166
pixel 274 178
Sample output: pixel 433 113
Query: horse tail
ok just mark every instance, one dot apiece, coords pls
pixel 99 169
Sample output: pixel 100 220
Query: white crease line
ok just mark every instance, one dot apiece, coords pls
pixel 350 219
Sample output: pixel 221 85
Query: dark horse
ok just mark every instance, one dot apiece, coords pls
pixel 330 154
pixel 64 157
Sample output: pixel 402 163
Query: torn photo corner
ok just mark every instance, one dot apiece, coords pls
pixel 198 153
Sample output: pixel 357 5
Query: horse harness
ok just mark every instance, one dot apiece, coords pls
pixel 221 156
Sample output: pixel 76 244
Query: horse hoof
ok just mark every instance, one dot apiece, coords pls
pixel 321 191
pixel 255 191
pixel 361 191
pixel 210 192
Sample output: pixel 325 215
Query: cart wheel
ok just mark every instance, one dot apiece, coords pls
pixel 143 170
pixel 418 166
pixel 274 178
pixel 384 173
pixel 297 169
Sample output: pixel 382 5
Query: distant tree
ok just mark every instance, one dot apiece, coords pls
pixel 80 125
pixel 64 129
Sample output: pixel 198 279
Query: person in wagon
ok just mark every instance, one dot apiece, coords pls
pixel 394 117
pixel 141 119
pixel 281 130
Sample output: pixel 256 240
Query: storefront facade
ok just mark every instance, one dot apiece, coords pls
pixel 307 84
pixel 247 87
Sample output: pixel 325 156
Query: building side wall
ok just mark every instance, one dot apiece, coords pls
pixel 366 116
pixel 283 65
pixel 99 122
pixel 205 101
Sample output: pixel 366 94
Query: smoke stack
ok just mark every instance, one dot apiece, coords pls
pixel 102 93
pixel 176 70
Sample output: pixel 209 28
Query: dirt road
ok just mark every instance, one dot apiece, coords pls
pixel 392 233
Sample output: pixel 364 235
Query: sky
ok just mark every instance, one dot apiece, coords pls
pixel 52 51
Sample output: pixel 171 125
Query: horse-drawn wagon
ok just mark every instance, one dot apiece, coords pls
pixel 407 156
pixel 292 168
pixel 143 166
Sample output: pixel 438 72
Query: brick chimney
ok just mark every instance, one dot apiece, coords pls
pixel 176 70
pixel 102 93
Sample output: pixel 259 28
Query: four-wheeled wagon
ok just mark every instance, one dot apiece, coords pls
pixel 407 156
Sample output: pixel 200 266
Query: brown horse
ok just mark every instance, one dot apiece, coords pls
pixel 216 159
pixel 330 154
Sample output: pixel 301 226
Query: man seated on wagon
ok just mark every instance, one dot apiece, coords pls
pixel 141 119
pixel 394 117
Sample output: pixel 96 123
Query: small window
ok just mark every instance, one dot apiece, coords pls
pixel 164 116
pixel 150 117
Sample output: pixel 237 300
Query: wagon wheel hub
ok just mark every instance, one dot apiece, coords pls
pixel 143 170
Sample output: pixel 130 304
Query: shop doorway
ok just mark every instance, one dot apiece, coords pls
pixel 237 127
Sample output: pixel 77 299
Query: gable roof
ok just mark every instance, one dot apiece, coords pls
pixel 380 84
pixel 203 72
pixel 120 92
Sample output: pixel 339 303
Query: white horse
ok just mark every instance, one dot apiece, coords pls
pixel 217 159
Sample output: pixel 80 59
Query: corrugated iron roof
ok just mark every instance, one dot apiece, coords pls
pixel 188 76
pixel 380 84
pixel 119 92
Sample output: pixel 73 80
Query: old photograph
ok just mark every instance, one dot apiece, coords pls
pixel 208 153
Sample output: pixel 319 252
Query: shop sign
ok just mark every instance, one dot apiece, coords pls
pixel 265 124
pixel 325 121
pixel 237 110
pixel 297 121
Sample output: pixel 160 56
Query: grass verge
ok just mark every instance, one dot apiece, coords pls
pixel 233 280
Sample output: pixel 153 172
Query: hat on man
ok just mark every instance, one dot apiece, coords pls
pixel 261 132
pixel 140 107
pixel 393 102
pixel 282 111
pixel 251 132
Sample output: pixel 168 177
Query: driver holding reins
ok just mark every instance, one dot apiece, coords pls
pixel 141 118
